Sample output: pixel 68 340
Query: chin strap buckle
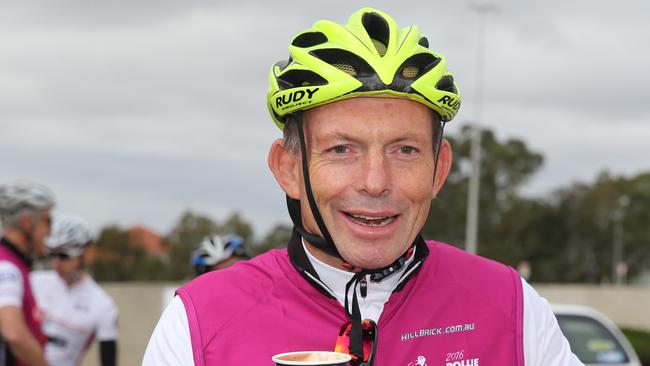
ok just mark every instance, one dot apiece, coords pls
pixel 399 263
pixel 363 287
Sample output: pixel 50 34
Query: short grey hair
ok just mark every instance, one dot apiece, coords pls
pixel 291 137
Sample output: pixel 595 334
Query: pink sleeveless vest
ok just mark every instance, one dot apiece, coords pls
pixel 459 310
pixel 30 310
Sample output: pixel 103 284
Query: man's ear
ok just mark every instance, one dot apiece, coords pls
pixel 444 167
pixel 285 166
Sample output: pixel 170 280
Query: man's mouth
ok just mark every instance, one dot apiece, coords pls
pixel 372 221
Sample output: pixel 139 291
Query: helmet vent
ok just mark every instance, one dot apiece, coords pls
pixel 346 68
pixel 309 39
pixel 298 78
pixel 410 72
pixel 378 30
pixel 424 42
pixel 282 64
pixel 380 47
pixel 446 83
pixel 417 65
pixel 345 61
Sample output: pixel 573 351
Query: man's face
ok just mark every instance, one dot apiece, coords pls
pixel 65 266
pixel 371 168
pixel 41 229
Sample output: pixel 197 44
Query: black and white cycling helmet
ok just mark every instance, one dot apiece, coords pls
pixel 70 235
pixel 22 195
pixel 216 249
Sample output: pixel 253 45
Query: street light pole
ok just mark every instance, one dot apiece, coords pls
pixel 619 267
pixel 471 228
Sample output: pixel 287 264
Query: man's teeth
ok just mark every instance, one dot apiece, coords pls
pixel 372 221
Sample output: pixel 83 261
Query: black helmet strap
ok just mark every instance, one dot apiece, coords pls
pixel 324 243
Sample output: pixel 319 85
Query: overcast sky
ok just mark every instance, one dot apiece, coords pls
pixel 134 111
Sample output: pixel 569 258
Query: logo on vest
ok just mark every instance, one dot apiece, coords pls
pixel 81 307
pixel 8 277
pixel 458 359
pixel 428 332
pixel 421 361
pixel 468 362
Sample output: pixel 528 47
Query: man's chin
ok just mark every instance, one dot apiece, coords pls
pixel 371 260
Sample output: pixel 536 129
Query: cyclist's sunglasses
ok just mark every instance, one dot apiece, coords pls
pixel 369 335
pixel 59 255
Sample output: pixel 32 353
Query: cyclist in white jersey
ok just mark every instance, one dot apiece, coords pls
pixel 76 309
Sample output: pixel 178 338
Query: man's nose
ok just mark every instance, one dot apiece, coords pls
pixel 376 179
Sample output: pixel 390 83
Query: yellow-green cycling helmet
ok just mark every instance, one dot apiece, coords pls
pixel 369 56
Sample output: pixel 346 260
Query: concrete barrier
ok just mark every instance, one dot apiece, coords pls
pixel 627 306
pixel 141 304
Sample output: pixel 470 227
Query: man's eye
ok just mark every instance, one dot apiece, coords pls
pixel 407 149
pixel 339 149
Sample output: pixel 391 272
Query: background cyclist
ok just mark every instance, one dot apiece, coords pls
pixel 25 219
pixel 76 309
pixel 218 252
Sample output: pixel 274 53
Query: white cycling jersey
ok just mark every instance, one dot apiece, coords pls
pixel 11 285
pixel 73 316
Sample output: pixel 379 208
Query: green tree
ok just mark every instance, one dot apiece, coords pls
pixel 277 237
pixel 188 233
pixel 567 237
pixel 590 214
pixel 236 224
pixel 184 238
pixel 505 167
pixel 117 259
pixel 114 255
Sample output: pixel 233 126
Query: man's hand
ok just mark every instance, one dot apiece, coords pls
pixel 21 342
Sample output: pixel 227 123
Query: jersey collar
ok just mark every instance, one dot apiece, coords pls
pixel 14 249
pixel 332 278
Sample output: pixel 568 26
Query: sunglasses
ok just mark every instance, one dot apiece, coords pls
pixel 369 336
pixel 61 256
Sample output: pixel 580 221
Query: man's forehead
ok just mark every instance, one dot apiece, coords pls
pixel 368 115
pixel 367 104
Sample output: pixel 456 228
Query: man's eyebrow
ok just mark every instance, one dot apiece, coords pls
pixel 343 135
pixel 337 135
pixel 410 136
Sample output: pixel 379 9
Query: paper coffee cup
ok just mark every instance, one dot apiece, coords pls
pixel 322 358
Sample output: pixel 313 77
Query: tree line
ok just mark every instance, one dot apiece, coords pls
pixel 577 233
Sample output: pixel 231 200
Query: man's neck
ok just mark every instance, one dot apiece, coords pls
pixel 324 257
pixel 16 238
pixel 74 278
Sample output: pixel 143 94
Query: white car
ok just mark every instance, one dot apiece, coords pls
pixel 594 338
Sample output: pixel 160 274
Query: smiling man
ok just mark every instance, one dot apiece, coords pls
pixel 362 107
